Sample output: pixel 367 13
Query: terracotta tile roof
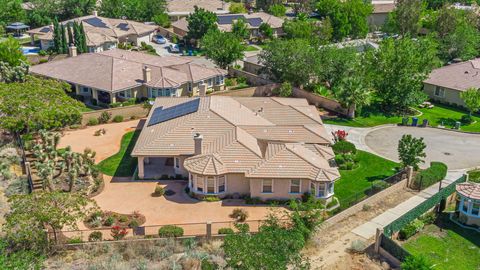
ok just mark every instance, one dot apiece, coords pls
pixel 100 29
pixel 238 138
pixel 459 76
pixel 469 190
pixel 116 70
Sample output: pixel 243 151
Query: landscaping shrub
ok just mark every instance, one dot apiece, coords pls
pixel 416 263
pixel 230 82
pixel 95 236
pixel 104 117
pixel 123 218
pixel 239 215
pixel 339 159
pixel 118 233
pixel 43 60
pixel 170 231
pixel 466 119
pixel 357 246
pixel 474 176
pixel 75 126
pixel 211 198
pixel 344 147
pixel 118 118
pixel 109 221
pixel 75 240
pixel 159 191
pixel 92 122
pixel 133 224
pixel 241 80
pixel 42 53
pixel 411 229
pixel 225 231
pixel 436 172
pixel 429 218
pixel 285 90
pixel 379 185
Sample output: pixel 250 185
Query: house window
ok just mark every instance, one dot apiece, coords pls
pixel 321 190
pixel 85 90
pixel 267 186
pixel 221 184
pixel 210 185
pixel 295 186
pixel 189 87
pixel 465 206
pixel 439 92
pixel 313 188
pixel 210 82
pixel 166 92
pixel 125 94
pixel 199 181
pixel 177 163
pixel 330 188
pixel 476 208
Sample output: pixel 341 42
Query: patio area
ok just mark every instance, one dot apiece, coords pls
pixel 159 168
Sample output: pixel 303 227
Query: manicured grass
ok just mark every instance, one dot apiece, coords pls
pixel 121 164
pixel 352 184
pixel 474 176
pixel 438 115
pixel 251 48
pixel 451 247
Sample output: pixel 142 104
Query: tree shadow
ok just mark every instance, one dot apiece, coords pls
pixel 444 222
pixel 127 164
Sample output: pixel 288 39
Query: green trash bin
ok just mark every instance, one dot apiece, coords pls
pixel 457 125
pixel 405 121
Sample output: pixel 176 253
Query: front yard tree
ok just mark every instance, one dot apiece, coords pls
pixel 411 150
pixel 397 70
pixel 223 48
pixel 406 18
pixel 471 98
pixel 353 91
pixel 11 53
pixel 240 29
pixel 37 104
pixel 30 215
pixel 266 31
pixel 200 22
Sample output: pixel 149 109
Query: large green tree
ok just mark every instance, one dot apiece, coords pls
pixel 240 29
pixel 405 19
pixel 397 70
pixel 45 11
pixel 223 48
pixel 11 11
pixel 471 98
pixel 411 151
pixel 139 10
pixel 200 22
pixel 37 104
pixel 11 53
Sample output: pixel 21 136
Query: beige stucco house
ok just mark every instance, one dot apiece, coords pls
pixel 446 83
pixel 177 9
pixel 469 206
pixel 225 22
pixel 102 33
pixel 117 75
pixel 265 147
pixel 381 11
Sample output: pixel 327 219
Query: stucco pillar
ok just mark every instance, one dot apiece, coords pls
pixel 141 169
pixel 77 89
pixel 95 94
pixel 113 98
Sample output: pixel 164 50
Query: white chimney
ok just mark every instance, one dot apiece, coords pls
pixel 147 74
pixel 72 51
pixel 95 13
pixel 197 139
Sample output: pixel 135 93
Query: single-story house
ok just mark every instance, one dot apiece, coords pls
pixel 381 11
pixel 225 22
pixel 177 9
pixel 102 33
pixel 446 83
pixel 265 147
pixel 117 75
pixel 469 207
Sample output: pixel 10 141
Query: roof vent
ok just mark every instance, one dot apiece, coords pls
pixel 260 110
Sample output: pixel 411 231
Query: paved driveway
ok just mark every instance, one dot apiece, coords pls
pixel 457 150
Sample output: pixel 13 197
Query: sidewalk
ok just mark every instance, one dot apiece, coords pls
pixel 368 229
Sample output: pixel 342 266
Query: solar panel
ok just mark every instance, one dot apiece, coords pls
pixel 228 19
pixel 160 115
pixel 96 22
pixel 123 26
pixel 45 30
pixel 255 22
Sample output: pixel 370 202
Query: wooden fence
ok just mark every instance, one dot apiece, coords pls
pixel 136 111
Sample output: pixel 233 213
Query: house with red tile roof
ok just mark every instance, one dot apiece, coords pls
pixel 469 206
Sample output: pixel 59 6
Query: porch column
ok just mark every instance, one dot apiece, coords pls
pixel 95 94
pixel 77 89
pixel 113 98
pixel 141 169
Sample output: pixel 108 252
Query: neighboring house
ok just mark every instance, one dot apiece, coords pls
pixel 252 64
pixel 177 9
pixel 469 206
pixel 102 33
pixel 117 75
pixel 446 83
pixel 224 22
pixel 265 147
pixel 381 10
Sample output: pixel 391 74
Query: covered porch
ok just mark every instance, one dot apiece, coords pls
pixel 158 168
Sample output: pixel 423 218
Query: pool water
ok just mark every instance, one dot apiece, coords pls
pixel 30 50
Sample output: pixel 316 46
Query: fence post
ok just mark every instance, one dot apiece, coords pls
pixel 209 230
pixel 409 175
pixel 378 240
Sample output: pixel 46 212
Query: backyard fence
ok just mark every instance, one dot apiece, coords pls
pixel 422 208
pixel 374 188
pixel 390 249
pixel 127 112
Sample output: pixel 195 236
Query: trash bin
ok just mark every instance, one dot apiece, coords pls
pixel 405 121
pixel 425 123
pixel 457 125
pixel 414 121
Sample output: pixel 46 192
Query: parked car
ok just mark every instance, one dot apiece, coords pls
pixel 173 48
pixel 159 39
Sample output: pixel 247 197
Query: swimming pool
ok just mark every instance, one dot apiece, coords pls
pixel 30 50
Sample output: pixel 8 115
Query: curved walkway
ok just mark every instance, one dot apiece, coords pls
pixel 456 149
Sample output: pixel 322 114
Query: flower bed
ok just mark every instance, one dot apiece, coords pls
pixel 108 219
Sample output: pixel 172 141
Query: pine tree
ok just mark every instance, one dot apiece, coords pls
pixel 84 38
pixel 64 40
pixel 57 40
pixel 70 34
pixel 78 37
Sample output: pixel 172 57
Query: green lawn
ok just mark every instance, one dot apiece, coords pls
pixel 251 48
pixel 353 183
pixel 452 247
pixel 474 176
pixel 439 115
pixel 121 164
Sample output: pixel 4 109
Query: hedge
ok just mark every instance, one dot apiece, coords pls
pixel 170 231
pixel 422 208
pixel 343 147
pixel 436 172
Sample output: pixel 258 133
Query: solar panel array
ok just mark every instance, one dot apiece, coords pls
pixel 228 19
pixel 255 22
pixel 96 22
pixel 123 26
pixel 160 115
